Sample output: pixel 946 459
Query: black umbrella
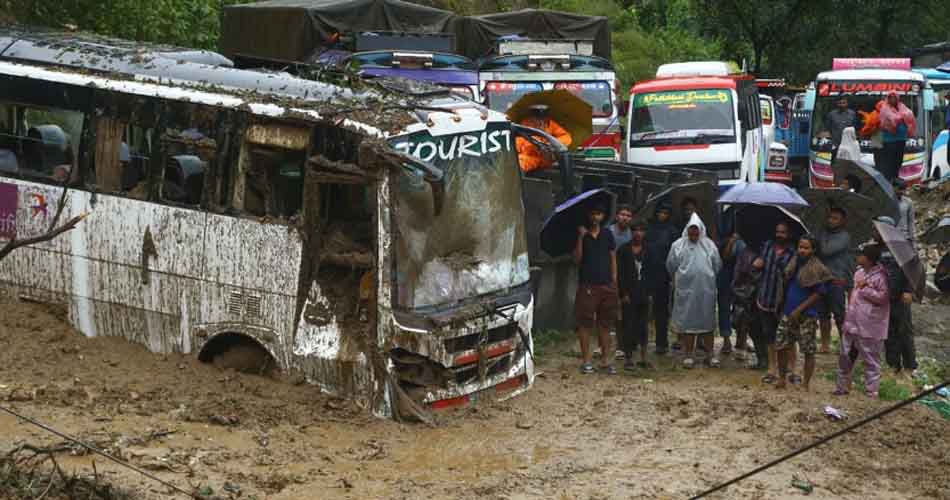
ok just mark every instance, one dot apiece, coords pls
pixel 905 254
pixel 703 193
pixel 755 224
pixel 939 233
pixel 860 209
pixel 865 179
pixel 559 232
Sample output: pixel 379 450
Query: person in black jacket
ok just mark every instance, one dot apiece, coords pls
pixel 634 298
pixel 661 233
pixel 900 352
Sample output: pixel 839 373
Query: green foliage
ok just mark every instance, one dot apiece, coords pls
pixel 547 342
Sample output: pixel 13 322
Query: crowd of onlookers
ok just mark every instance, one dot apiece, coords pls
pixel 783 296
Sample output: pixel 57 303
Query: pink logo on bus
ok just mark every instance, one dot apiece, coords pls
pixel 901 63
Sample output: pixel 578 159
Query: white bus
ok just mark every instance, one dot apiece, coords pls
pixel 699 115
pixel 373 243
pixel 865 82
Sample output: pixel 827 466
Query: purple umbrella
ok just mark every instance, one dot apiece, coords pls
pixel 763 193
pixel 559 232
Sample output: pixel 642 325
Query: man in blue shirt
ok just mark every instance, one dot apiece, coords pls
pixel 772 261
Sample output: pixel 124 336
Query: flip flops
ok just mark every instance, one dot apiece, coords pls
pixel 769 379
pixel 587 368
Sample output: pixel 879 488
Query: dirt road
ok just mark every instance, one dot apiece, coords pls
pixel 663 434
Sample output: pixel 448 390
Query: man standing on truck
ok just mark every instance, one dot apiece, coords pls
pixel 529 157
pixel 595 305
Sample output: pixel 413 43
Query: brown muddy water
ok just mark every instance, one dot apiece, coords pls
pixel 666 433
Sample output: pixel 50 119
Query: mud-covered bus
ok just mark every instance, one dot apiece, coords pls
pixel 372 242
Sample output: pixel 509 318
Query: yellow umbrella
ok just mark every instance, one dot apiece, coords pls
pixel 568 110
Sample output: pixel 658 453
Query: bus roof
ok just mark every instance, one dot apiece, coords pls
pixel 870 74
pixel 116 60
pixel 692 83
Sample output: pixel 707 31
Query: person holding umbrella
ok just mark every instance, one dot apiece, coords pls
pixel 694 262
pixel 773 259
pixel 659 238
pixel 529 157
pixel 900 352
pixel 595 305
pixel 834 250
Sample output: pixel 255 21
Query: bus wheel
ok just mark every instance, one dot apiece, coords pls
pixel 234 351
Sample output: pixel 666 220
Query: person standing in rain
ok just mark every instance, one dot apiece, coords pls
pixel 897 124
pixel 804 283
pixel 745 282
pixel 773 259
pixel 694 262
pixel 905 210
pixel 865 327
pixel 634 299
pixel 621 226
pixel 659 238
pixel 730 249
pixel 900 351
pixel 595 305
pixel 839 119
pixel 834 250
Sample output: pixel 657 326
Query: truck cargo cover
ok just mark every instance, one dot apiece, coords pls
pixel 475 35
pixel 294 30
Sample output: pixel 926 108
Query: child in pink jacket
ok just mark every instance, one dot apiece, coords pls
pixel 865 323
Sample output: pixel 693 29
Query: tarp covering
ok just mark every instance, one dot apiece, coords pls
pixel 294 30
pixel 475 35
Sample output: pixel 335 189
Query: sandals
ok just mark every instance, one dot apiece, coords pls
pixel 688 363
pixel 769 379
pixel 609 369
pixel 795 379
pixel 587 368
pixel 713 363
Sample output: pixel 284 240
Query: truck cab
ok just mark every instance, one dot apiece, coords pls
pixel 524 66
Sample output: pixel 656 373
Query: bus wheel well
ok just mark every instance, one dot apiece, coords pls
pixel 238 352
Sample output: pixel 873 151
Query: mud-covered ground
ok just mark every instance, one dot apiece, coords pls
pixel 665 433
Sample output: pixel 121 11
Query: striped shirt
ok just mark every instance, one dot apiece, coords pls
pixel 771 280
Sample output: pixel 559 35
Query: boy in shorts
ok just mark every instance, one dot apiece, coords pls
pixel 805 280
pixel 595 305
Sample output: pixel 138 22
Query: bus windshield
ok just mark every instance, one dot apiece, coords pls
pixel 861 104
pixel 476 244
pixel 597 94
pixel 502 95
pixel 683 117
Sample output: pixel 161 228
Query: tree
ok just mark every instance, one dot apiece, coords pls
pixel 55 229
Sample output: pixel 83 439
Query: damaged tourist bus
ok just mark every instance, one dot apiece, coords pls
pixel 372 242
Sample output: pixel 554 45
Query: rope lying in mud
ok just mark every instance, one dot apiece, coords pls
pixel 99 452
pixel 823 440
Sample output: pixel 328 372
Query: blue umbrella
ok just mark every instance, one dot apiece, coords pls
pixel 559 232
pixel 865 179
pixel 763 193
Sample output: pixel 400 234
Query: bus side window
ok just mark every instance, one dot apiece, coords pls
pixel 272 162
pixel 41 143
pixel 189 150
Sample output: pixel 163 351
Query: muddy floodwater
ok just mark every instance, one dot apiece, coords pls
pixel 666 433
